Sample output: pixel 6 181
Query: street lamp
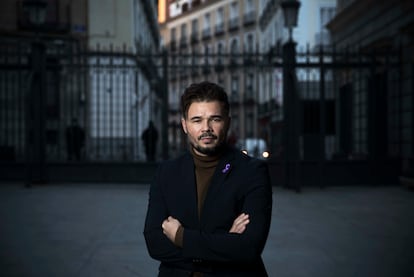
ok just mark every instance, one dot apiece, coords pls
pixel 36 9
pixel 290 10
pixel 291 115
pixel 35 102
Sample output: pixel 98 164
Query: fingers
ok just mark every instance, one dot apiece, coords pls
pixel 241 218
pixel 170 226
pixel 240 223
pixel 164 225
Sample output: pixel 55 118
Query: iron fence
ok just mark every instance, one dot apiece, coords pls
pixel 108 94
pixel 348 105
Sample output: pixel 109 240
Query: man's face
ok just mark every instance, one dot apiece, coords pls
pixel 206 127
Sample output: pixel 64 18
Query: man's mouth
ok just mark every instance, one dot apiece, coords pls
pixel 207 137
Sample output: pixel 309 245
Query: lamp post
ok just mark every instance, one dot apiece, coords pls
pixel 36 9
pixel 290 98
pixel 35 105
pixel 290 10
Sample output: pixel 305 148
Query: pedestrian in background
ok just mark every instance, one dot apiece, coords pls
pixel 75 140
pixel 150 139
pixel 209 210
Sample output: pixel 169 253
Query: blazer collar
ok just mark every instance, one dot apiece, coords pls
pixel 189 192
pixel 222 172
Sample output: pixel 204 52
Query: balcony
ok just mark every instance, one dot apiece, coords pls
pixel 206 66
pixel 234 24
pixel 249 98
pixel 194 70
pixel 219 67
pixel 233 62
pixel 249 18
pixel 249 59
pixel 206 69
pixel 173 45
pixel 206 34
pixel 194 38
pixel 183 42
pixel 219 29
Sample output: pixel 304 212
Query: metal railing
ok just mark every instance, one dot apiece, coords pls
pixel 342 96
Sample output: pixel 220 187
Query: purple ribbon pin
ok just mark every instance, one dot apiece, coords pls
pixel 226 168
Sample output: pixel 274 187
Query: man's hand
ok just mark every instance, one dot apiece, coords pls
pixel 239 224
pixel 170 227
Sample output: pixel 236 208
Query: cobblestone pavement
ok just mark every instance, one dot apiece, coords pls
pixel 88 230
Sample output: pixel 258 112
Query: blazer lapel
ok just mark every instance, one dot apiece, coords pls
pixel 189 188
pixel 222 172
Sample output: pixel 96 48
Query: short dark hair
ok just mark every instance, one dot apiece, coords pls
pixel 204 91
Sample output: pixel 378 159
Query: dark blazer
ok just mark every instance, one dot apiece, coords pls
pixel 239 184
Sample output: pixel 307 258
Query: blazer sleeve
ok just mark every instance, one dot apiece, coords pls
pixel 229 247
pixel 158 245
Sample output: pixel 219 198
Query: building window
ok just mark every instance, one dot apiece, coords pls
pixel 325 15
pixel 249 12
pixel 234 16
pixel 234 46
pixel 234 96
pixel 194 26
pixel 185 7
pixel 207 59
pixel 220 16
pixel 173 39
pixel 220 80
pixel 194 30
pixel 183 39
pixel 249 5
pixel 249 86
pixel 249 44
pixel 220 51
pixel 206 27
pixel 234 10
pixel 220 21
pixel 234 49
pixel 184 30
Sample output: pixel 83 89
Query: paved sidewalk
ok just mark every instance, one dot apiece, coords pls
pixel 88 230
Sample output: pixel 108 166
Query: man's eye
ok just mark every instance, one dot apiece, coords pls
pixel 217 119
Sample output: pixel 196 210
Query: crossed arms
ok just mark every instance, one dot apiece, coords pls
pixel 242 241
pixel 171 225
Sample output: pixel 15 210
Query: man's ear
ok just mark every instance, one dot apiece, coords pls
pixel 184 125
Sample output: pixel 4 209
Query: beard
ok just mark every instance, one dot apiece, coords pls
pixel 209 151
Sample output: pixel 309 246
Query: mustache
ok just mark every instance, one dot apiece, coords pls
pixel 207 134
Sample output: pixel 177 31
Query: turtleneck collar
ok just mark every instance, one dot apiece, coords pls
pixel 205 161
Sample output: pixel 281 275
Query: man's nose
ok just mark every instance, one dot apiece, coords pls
pixel 206 125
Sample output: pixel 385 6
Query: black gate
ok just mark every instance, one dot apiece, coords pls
pixel 328 117
pixel 72 113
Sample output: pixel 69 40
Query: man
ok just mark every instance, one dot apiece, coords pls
pixel 209 210
pixel 150 138
pixel 75 140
